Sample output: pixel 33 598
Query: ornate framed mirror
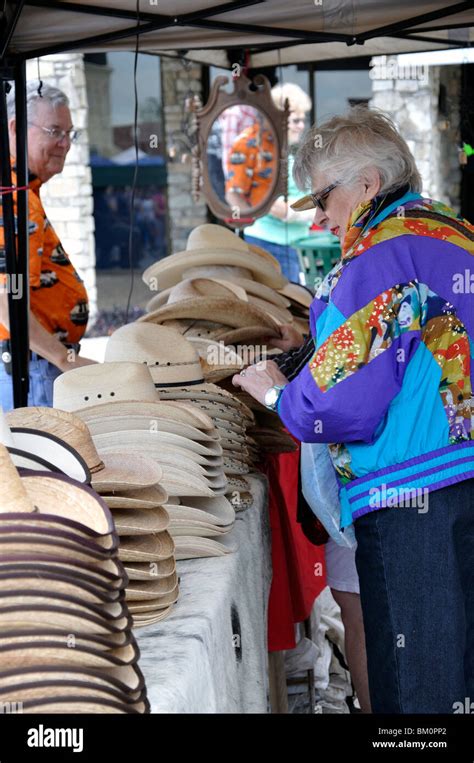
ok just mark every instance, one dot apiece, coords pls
pixel 240 159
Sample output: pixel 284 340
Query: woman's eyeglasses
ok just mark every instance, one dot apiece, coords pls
pixel 55 133
pixel 312 200
pixel 297 120
pixel 319 199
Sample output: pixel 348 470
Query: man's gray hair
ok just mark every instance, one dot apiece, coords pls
pixel 343 147
pixel 52 95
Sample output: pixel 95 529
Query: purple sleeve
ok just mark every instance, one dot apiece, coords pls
pixel 351 409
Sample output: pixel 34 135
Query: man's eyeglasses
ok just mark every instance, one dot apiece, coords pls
pixel 312 200
pixel 55 133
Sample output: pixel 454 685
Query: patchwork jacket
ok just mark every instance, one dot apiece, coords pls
pixel 388 382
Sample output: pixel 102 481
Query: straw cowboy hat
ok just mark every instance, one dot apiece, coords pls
pixel 247 288
pixel 213 511
pixel 125 683
pixel 102 383
pixel 213 244
pixel 43 451
pixel 144 498
pixel 161 568
pixel 59 575
pixel 120 470
pixel 231 312
pixel 214 288
pixel 297 293
pixel 170 359
pixel 195 547
pixel 180 412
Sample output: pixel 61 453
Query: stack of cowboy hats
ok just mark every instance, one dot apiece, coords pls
pixel 144 536
pixel 228 297
pixel 66 644
pixel 122 409
pixel 175 368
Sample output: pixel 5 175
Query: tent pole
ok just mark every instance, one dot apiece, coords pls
pixel 22 381
pixel 15 283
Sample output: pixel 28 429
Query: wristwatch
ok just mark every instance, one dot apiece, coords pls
pixel 272 396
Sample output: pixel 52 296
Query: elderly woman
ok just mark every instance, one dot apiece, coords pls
pixel 388 384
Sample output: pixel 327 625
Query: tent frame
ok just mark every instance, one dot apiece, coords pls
pixel 13 67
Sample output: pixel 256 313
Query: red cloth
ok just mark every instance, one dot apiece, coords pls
pixel 299 572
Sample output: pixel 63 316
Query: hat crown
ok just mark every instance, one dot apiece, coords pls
pixel 14 496
pixel 170 358
pixel 62 424
pixel 210 236
pixel 103 383
pixel 150 344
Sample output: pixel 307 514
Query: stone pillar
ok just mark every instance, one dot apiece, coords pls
pixel 426 111
pixel 184 213
pixel 67 197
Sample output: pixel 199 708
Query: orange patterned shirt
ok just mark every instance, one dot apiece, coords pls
pixel 58 298
pixel 251 164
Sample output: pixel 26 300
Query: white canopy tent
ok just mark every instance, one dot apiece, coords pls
pixel 274 31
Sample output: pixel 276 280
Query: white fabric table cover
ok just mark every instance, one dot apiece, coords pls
pixel 210 654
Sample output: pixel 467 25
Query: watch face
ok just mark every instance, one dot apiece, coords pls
pixel 271 396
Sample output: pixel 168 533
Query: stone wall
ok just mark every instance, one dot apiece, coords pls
pixel 67 197
pixel 431 131
pixel 184 213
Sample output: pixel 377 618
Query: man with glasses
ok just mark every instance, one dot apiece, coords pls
pixel 58 299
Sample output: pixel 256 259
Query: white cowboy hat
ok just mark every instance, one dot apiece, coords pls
pixel 213 244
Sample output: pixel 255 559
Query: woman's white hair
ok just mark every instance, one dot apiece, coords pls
pixel 297 97
pixel 52 95
pixel 343 147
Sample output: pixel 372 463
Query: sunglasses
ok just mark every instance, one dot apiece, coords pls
pixel 312 200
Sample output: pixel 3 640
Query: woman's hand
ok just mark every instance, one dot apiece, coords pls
pixel 257 379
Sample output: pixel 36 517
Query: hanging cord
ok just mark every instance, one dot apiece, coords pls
pixel 282 105
pixel 40 81
pixel 135 173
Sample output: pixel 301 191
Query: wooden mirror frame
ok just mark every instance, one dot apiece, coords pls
pixel 204 116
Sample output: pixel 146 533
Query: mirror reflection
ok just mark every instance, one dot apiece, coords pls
pixel 242 157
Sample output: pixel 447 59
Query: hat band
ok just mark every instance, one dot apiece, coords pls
pixel 180 383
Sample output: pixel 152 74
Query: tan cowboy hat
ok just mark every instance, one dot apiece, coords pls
pixel 212 245
pixel 110 574
pixel 101 383
pixel 51 582
pixel 29 615
pixel 78 684
pixel 153 604
pixel 56 651
pixel 234 313
pixel 145 498
pixel 119 471
pixel 197 288
pixel 170 359
pixel 41 450
pixel 167 430
pixel 181 413
pixel 140 621
pixel 213 511
pixel 195 547
pixel 140 521
pixel 164 591
pixel 161 568
pixel 207 393
pixel 297 293
pixel 217 361
pixel 146 548
pixel 125 681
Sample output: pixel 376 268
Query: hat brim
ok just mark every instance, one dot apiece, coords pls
pixel 305 202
